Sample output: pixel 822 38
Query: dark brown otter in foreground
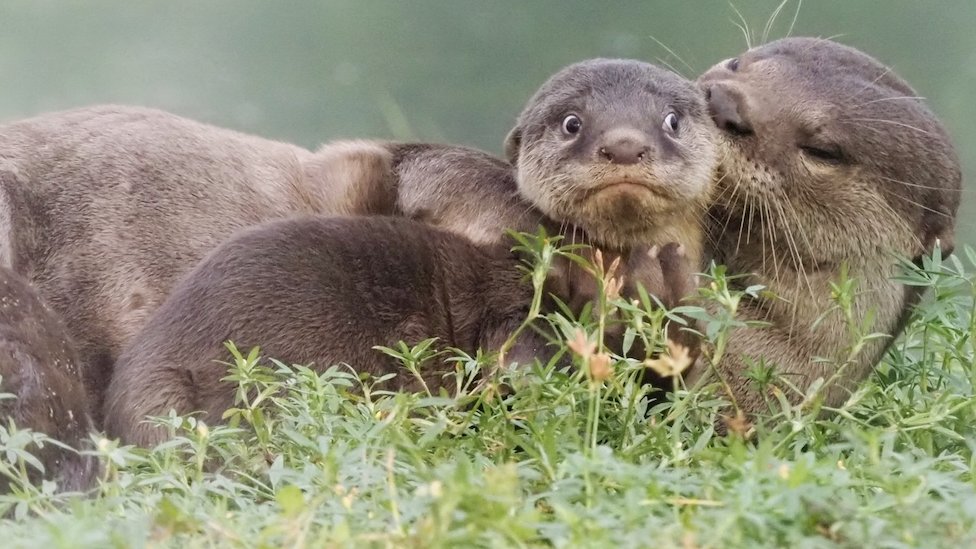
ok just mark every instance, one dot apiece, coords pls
pixel 39 367
pixel 325 290
pixel 829 159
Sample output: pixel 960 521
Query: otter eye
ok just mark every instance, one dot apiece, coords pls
pixel 828 154
pixel 671 122
pixel 733 64
pixel 572 124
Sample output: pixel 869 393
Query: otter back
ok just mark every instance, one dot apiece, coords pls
pixel 316 290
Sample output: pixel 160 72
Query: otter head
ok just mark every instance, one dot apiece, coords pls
pixel 618 148
pixel 828 153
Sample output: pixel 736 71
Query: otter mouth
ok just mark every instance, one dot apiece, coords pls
pixel 627 186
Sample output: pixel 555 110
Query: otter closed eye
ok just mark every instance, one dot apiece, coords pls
pixel 828 154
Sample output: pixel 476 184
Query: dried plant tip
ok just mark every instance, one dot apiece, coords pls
pixel 614 265
pixel 652 253
pixel 672 364
pixel 600 369
pixel 581 345
pixel 612 288
pixel 598 260
pixel 739 424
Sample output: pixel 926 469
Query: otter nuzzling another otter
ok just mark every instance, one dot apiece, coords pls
pixel 827 158
pixel 830 159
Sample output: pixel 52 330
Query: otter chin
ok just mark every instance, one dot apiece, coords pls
pixel 635 195
pixel 829 161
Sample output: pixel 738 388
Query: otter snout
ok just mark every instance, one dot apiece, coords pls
pixel 623 146
pixel 728 110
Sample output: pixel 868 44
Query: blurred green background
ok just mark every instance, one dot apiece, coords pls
pixel 452 70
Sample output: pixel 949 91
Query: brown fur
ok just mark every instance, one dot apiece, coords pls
pixel 325 290
pixel 40 368
pixel 105 208
pixel 317 290
pixel 829 158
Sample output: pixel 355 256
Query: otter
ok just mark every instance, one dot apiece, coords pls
pixel 320 290
pixel 103 209
pixel 39 367
pixel 829 159
pixel 109 206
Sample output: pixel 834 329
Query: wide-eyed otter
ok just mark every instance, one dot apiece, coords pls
pixel 621 149
pixel 324 290
pixel 40 369
pixel 829 159
pixel 109 206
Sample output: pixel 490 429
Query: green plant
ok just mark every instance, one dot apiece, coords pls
pixel 576 456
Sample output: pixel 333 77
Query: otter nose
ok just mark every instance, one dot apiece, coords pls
pixel 727 110
pixel 624 146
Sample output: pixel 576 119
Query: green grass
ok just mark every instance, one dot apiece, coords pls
pixel 321 459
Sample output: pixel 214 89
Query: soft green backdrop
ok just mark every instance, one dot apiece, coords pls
pixel 450 70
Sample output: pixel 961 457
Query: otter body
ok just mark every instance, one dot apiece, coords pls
pixel 317 290
pixel 40 368
pixel 104 209
pixel 590 178
pixel 830 159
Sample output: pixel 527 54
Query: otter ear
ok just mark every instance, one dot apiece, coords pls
pixel 512 144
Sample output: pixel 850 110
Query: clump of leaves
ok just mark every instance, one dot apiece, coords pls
pixel 581 453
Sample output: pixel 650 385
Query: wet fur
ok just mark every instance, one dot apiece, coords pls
pixel 40 368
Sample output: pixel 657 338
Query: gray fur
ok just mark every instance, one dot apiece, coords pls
pixel 572 178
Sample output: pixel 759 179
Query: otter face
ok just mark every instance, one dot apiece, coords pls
pixel 616 147
pixel 828 154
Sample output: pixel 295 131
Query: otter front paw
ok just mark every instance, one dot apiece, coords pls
pixel 667 273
